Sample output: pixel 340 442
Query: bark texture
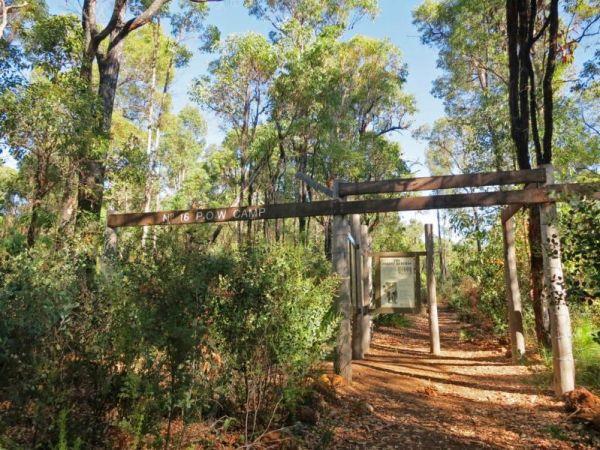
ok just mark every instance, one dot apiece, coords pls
pixel 340 256
pixel 434 328
pixel 513 294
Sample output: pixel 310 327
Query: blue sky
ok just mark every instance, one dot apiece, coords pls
pixel 394 22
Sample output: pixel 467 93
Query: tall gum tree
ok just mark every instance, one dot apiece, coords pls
pixel 236 90
pixel 499 50
pixel 104 45
pixel 534 32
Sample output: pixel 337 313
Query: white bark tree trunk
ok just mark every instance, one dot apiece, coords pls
pixel 367 320
pixel 357 325
pixel 149 188
pixel 554 284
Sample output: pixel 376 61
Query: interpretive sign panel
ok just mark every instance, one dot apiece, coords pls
pixel 397 278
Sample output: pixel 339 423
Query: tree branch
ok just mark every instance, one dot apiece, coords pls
pixel 144 18
pixel 112 23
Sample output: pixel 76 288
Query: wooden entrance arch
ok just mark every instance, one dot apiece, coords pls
pixel 539 191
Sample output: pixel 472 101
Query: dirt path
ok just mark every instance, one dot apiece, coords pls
pixel 470 397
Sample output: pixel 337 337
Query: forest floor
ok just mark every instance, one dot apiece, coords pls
pixel 471 396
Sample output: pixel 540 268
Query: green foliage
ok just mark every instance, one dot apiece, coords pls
pixel 56 43
pixel 476 286
pixel 580 228
pixel 12 64
pixel 177 334
pixel 395 320
pixel 273 314
pixel 304 17
pixel 392 235
pixel 586 347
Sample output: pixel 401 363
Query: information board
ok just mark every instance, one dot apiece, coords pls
pixel 397 282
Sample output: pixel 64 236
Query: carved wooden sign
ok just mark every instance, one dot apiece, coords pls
pixel 337 207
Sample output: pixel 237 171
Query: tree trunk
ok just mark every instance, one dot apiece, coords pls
pixel 547 84
pixel 33 220
pixel 340 256
pixel 536 280
pixel 520 21
pixel 93 171
pixel 443 270
pixel 562 347
pixel 149 188
pixel 367 320
pixel 423 300
pixel 39 192
pixel 434 328
pixel 68 206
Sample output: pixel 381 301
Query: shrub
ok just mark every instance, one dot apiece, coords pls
pixel 395 320
pixel 274 318
pixel 182 333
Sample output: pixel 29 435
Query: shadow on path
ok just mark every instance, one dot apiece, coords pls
pixel 471 396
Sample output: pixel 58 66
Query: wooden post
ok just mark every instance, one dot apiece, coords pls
pixel 357 288
pixel 434 329
pixel 367 277
pixel 341 266
pixel 422 299
pixel 554 285
pixel 513 295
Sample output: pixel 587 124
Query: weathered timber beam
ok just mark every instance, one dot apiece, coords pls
pixel 443 182
pixel 401 254
pixel 511 210
pixel 336 207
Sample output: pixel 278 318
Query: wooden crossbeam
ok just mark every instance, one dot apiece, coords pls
pixel 400 254
pixel 335 207
pixel 443 182
pixel 511 210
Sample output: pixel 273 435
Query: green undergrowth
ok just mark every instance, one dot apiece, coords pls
pixel 586 352
pixel 155 338
pixel 396 320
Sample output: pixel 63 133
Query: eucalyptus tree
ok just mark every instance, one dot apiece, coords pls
pixel 17 16
pixel 104 45
pixel 143 97
pixel 470 39
pixel 534 31
pixel 47 121
pixel 237 91
pixel 310 17
pixel 45 128
pixel 483 66
pixel 16 20
pixel 334 104
pixel 182 147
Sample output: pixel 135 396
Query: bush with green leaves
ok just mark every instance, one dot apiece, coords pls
pixel 580 227
pixel 273 315
pixel 52 361
pixel 476 288
pixel 179 333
